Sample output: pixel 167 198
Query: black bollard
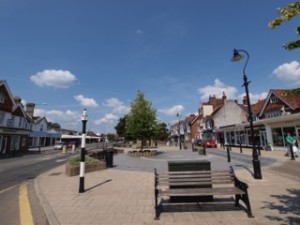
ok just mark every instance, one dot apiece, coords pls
pixel 241 150
pixel 228 155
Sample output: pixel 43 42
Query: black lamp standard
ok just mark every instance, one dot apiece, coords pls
pixel 179 133
pixel 255 159
pixel 82 154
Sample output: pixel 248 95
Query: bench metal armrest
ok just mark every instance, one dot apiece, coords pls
pixel 238 183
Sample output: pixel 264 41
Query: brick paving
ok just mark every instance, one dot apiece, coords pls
pixel 124 195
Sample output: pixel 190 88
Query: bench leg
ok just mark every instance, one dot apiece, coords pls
pixel 237 198
pixel 157 211
pixel 245 199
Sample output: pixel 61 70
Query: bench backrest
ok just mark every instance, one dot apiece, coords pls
pixel 195 178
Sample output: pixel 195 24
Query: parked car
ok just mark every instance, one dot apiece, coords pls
pixel 71 143
pixel 209 143
pixel 59 145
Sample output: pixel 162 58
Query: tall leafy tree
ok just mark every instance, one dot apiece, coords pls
pixel 140 121
pixel 54 126
pixel 286 14
pixel 161 132
pixel 120 127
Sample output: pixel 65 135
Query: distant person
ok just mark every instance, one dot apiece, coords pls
pixel 291 145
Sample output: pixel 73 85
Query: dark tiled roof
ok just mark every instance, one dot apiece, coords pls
pixel 291 97
pixel 256 108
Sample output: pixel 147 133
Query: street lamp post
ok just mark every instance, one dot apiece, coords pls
pixel 255 158
pixel 82 154
pixel 179 133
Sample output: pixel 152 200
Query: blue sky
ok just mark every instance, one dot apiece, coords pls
pixel 96 54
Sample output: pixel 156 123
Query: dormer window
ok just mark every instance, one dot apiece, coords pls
pixel 2 97
pixel 273 99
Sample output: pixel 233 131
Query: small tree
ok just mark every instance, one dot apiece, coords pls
pixel 287 13
pixel 141 119
pixel 161 132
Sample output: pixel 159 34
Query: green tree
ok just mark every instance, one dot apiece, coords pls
pixel 111 137
pixel 161 132
pixel 121 127
pixel 54 126
pixel 286 14
pixel 141 119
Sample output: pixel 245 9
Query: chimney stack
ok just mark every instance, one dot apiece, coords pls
pixel 30 109
pixel 245 100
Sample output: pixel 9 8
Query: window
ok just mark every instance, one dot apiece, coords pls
pixel 10 122
pixel 2 97
pixel 277 137
pixel 20 121
pixel 1 117
pixel 273 99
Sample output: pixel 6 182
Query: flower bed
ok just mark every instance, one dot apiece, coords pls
pixel 73 165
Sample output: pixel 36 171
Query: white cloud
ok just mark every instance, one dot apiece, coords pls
pixel 108 118
pixel 289 73
pixel 86 102
pixel 67 119
pixel 217 89
pixel 253 97
pixel 173 110
pixel 54 78
pixel 117 105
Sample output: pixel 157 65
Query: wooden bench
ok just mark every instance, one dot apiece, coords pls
pixel 188 183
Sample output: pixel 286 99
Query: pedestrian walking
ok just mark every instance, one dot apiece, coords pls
pixel 291 141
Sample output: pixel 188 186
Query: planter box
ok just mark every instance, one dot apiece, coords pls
pixel 74 170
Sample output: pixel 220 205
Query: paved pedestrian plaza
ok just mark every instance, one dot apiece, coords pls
pixel 124 194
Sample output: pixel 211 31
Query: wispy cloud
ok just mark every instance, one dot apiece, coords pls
pixel 116 105
pixel 108 118
pixel 86 102
pixel 217 89
pixel 173 110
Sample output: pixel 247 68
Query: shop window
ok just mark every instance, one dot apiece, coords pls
pixel 277 137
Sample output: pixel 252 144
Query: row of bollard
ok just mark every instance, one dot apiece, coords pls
pixel 65 149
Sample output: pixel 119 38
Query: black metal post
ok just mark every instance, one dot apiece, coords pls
pixel 255 157
pixel 255 160
pixel 241 150
pixel 228 155
pixel 82 154
pixel 179 135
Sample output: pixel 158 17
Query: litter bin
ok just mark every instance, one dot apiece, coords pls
pixel 190 165
pixel 100 155
pixel 109 158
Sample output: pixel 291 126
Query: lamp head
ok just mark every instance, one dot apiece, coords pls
pixel 236 56
pixel 84 115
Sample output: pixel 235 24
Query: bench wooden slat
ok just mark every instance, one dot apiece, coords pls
pixel 201 191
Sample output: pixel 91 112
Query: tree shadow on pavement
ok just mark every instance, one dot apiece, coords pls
pixel 285 205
